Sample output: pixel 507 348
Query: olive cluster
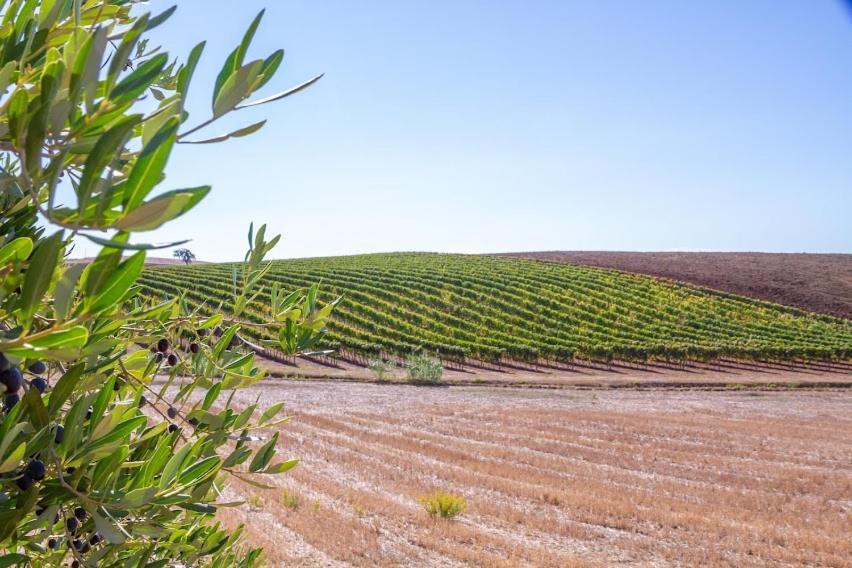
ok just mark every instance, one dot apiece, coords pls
pixel 161 351
pixel 164 350
pixel 12 378
pixel 79 535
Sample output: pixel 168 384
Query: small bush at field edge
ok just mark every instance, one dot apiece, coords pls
pixel 444 505
pixel 381 369
pixel 424 369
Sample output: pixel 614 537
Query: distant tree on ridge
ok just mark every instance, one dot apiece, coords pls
pixel 185 255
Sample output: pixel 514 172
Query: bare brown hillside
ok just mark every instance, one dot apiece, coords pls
pixel 815 282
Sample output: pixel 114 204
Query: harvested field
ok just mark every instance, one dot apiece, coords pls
pixel 814 282
pixel 556 477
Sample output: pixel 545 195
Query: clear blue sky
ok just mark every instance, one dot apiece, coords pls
pixel 480 126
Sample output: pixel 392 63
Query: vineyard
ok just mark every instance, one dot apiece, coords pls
pixel 500 310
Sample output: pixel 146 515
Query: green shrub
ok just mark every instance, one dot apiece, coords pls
pixel 444 505
pixel 381 369
pixel 424 369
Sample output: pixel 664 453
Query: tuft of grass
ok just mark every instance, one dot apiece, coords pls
pixel 254 501
pixel 444 505
pixel 381 369
pixel 290 499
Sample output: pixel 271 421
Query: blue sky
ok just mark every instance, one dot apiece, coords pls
pixel 479 126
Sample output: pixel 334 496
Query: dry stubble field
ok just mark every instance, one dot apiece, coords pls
pixel 556 477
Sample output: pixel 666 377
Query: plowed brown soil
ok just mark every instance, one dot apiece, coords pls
pixel 815 282
pixel 556 477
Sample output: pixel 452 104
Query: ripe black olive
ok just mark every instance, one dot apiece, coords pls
pixel 36 470
pixel 51 543
pixel 173 428
pixel 163 345
pixel 173 360
pixel 4 363
pixel 171 412
pixel 193 347
pixel 37 368
pixel 10 400
pixel 80 513
pixel 193 421
pixel 24 482
pixel 12 378
pixel 39 384
pixel 95 538
pixel 72 524
pixel 60 434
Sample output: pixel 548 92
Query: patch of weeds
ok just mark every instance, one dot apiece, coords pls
pixel 793 385
pixel 359 509
pixel 381 369
pixel 444 505
pixel 317 505
pixel 424 369
pixel 254 501
pixel 290 499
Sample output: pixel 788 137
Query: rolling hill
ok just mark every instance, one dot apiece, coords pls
pixel 814 282
pixel 499 309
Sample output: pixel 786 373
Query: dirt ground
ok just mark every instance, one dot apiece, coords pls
pixel 555 477
pixel 815 282
pixel 726 376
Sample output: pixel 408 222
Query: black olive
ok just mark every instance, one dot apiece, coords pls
pixel 72 524
pixel 24 482
pixel 12 378
pixel 10 400
pixel 39 384
pixel 36 470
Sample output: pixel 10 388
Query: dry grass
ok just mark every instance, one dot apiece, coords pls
pixel 558 478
